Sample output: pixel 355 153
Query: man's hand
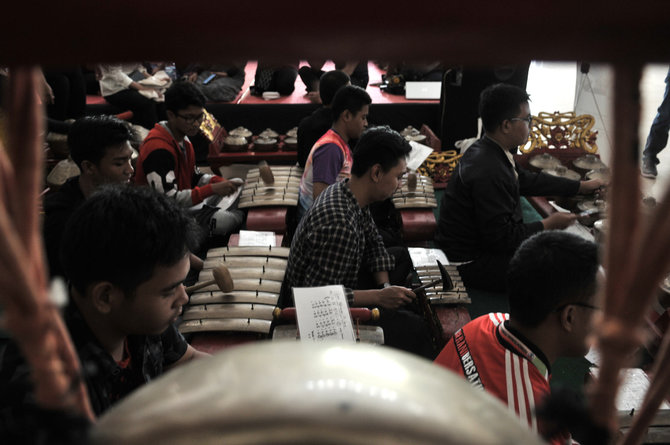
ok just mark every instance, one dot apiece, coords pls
pixel 394 297
pixel 225 188
pixel 591 186
pixel 558 220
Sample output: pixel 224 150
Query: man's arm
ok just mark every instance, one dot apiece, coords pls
pixel 190 354
pixel 318 188
pixel 392 297
pixel 327 163
pixel 160 170
pixel 500 228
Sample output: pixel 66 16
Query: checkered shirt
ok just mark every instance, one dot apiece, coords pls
pixel 335 240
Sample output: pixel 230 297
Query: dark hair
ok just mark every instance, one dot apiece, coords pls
pixel 379 145
pixel 183 94
pixel 499 102
pixel 90 136
pixel 550 269
pixel 121 233
pixel 349 97
pixel 330 83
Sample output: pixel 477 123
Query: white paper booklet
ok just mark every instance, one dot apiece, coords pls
pixel 323 314
pixel 427 257
pixel 418 154
pixel 256 238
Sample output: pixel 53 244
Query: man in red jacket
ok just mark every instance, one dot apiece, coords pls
pixel 167 161
pixel 552 283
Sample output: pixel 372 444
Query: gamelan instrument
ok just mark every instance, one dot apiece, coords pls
pixel 416 192
pixel 288 392
pixel 246 304
pixel 442 307
pixel 415 200
pixel 268 193
pixel 283 191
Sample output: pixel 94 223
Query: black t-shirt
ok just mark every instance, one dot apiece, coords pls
pixel 58 207
pixel 311 128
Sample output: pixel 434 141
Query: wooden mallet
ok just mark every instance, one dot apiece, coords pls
pixel 411 182
pixel 445 279
pixel 221 278
pixel 265 172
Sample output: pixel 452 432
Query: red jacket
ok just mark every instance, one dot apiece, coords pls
pixel 167 167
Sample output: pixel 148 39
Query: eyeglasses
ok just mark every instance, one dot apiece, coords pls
pixel 528 119
pixel 576 303
pixel 192 119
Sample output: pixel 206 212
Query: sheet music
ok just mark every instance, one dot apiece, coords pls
pixel 256 238
pixel 418 154
pixel 427 257
pixel 323 314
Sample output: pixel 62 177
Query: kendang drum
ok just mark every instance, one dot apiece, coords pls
pixel 310 393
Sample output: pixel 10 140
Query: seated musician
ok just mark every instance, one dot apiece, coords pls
pixel 167 161
pixel 330 159
pixel 100 146
pixel 480 223
pixel 314 126
pixel 125 251
pixel 338 243
pixel 551 282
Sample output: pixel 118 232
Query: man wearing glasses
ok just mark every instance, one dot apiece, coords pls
pixel 481 224
pixel 551 285
pixel 167 161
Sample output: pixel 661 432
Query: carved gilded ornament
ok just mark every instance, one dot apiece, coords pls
pixel 561 131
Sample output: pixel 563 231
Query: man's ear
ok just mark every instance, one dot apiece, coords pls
pixel 567 318
pixel 170 115
pixel 346 116
pixel 505 126
pixel 88 167
pixel 103 296
pixel 376 173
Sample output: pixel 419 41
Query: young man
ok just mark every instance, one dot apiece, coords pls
pixel 100 146
pixel 330 159
pixel 481 222
pixel 126 253
pixel 338 243
pixel 552 282
pixel 314 126
pixel 167 161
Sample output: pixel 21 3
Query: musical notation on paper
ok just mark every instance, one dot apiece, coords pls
pixel 256 238
pixel 323 313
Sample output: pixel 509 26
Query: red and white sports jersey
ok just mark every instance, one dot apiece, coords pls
pixel 490 357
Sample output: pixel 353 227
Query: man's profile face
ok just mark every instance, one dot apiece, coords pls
pixel 584 314
pixel 358 123
pixel 521 126
pixel 389 181
pixel 156 303
pixel 115 166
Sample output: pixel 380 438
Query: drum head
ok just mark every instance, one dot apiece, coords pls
pixel 291 392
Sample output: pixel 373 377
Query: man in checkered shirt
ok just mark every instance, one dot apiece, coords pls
pixel 337 242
